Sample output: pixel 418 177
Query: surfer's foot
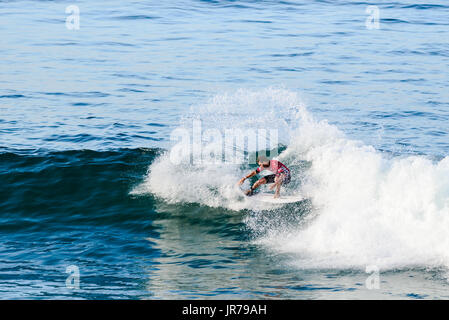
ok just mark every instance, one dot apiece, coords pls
pixel 249 192
pixel 276 196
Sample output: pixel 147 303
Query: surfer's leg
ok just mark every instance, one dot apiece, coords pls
pixel 255 186
pixel 278 182
pixel 258 183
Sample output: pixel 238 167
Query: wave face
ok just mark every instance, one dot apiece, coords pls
pixel 59 209
pixel 69 187
pixel 364 207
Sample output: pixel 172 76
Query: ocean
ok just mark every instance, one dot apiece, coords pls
pixel 118 176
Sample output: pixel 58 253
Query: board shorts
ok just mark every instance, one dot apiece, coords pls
pixel 287 177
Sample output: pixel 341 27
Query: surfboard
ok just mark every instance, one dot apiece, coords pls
pixel 269 198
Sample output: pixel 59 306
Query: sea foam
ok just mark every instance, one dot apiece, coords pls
pixel 369 207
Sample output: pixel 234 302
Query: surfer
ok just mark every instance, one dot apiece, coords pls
pixel 280 176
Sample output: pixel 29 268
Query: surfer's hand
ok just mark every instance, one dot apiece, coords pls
pixel 241 181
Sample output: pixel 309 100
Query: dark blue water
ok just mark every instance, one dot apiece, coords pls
pixel 86 116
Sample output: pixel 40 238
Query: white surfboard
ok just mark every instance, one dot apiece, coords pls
pixel 269 197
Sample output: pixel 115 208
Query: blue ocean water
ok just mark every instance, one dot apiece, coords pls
pixel 85 123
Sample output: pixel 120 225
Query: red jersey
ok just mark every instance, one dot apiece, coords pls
pixel 276 167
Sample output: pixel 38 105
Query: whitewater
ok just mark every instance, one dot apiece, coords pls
pixel 367 207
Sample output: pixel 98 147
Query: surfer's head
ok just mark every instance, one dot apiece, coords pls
pixel 263 161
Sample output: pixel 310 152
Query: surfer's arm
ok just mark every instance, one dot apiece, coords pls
pixel 253 173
